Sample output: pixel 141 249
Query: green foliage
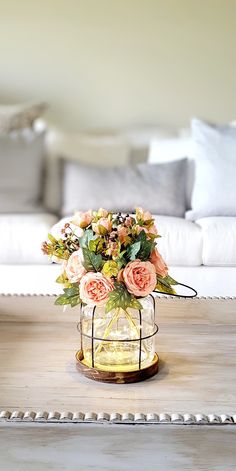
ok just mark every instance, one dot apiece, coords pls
pixel 171 281
pixel 133 250
pixel 92 261
pixel 146 247
pixel 164 285
pixel 52 239
pixel 110 268
pixel 121 298
pixel 71 296
pixel 62 279
pixel 85 238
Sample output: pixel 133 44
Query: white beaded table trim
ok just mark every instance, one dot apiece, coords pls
pixel 168 297
pixel 115 417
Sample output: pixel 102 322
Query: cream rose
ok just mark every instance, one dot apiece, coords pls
pixel 140 277
pixel 74 268
pixel 95 288
pixel 103 225
pixel 82 219
pixel 159 264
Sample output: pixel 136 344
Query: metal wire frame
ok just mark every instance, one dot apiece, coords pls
pixel 140 339
pixel 101 339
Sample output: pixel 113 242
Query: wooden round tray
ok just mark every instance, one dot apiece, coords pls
pixel 119 377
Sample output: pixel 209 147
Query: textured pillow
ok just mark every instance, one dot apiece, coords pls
pixel 160 188
pixel 89 149
pixel 214 192
pixel 21 166
pixel 16 117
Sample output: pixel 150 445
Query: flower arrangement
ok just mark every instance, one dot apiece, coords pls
pixel 109 260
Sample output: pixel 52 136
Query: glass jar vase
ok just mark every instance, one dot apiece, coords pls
pixel 120 341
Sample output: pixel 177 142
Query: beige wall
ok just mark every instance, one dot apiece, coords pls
pixel 120 62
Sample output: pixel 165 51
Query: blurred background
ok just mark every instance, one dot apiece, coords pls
pixel 96 103
pixel 103 63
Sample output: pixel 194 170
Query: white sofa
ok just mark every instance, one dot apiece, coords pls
pixel 201 253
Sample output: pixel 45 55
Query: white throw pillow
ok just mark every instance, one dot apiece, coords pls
pixel 214 151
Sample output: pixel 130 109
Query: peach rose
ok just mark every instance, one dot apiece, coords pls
pixel 159 264
pixel 95 288
pixel 120 276
pixel 140 277
pixel 74 268
pixel 103 225
pixel 82 219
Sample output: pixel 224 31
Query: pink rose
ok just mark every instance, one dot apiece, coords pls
pixel 74 268
pixel 82 219
pixel 103 226
pixel 159 264
pixel 95 288
pixel 140 277
pixel 122 233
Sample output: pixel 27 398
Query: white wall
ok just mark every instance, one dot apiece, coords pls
pixel 117 62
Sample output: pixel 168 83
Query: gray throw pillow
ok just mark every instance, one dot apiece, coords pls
pixel 160 188
pixel 21 167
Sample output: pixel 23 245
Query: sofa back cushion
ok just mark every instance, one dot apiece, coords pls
pixel 21 167
pixel 160 188
pixel 214 151
pixel 102 151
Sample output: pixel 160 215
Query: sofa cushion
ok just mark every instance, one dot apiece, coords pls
pixel 219 240
pixel 22 237
pixel 158 187
pixel 180 242
pixel 101 150
pixel 21 170
pixel 214 192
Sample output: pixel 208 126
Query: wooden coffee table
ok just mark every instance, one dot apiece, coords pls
pixel 196 384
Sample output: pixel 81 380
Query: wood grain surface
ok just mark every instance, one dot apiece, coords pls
pixel 196 344
pixel 53 447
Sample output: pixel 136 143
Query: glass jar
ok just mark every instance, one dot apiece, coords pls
pixel 118 341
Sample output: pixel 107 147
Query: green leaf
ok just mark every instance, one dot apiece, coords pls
pixel 62 300
pixel 85 238
pixel 96 244
pixel 163 281
pixel 72 291
pixel 75 301
pixel 121 298
pixel 142 236
pixel 92 262
pixel 146 248
pixel 171 281
pixel 133 250
pixel 52 239
pixel 164 289
pixel 62 278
